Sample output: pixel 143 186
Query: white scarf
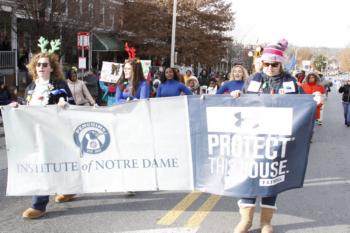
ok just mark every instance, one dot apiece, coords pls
pixel 41 92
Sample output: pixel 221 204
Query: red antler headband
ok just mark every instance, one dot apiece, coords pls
pixel 130 50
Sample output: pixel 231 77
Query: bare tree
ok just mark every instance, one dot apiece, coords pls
pixel 304 54
pixel 64 18
pixel 200 30
pixel 344 59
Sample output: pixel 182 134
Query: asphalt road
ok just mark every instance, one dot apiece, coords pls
pixel 322 206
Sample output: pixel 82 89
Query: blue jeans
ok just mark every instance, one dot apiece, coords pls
pixel 266 202
pixel 40 202
pixel 346 106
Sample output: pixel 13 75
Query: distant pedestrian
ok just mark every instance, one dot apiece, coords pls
pixel 155 85
pixel 345 89
pixel 78 88
pixel 187 75
pixel 193 84
pixel 91 82
pixel 203 77
pixel 212 87
pixel 312 85
pixel 5 95
pixel 300 76
pixel 108 92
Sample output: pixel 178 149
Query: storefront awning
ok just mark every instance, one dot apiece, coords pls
pixel 106 43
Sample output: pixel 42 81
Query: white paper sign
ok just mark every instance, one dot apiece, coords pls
pixel 254 86
pixel 111 72
pixel 146 64
pixel 289 87
pixel 82 63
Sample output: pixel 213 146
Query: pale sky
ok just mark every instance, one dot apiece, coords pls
pixel 309 23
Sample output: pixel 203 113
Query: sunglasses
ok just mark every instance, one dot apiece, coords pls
pixel 276 64
pixel 43 64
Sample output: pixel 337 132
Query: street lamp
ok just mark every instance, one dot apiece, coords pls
pixel 173 29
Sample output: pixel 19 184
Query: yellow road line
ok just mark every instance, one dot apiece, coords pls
pixel 173 214
pixel 202 212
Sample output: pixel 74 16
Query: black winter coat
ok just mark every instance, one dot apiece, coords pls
pixel 264 84
pixel 346 92
pixel 55 94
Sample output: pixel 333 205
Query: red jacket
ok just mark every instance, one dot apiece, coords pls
pixel 310 88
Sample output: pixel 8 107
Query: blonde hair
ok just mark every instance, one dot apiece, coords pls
pixel 54 64
pixel 245 72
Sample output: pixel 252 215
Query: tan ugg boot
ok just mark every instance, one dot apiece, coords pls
pixel 31 213
pixel 247 214
pixel 265 220
pixel 64 198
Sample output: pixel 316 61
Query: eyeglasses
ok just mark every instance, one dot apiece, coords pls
pixel 43 64
pixel 274 65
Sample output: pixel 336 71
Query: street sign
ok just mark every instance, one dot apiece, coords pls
pixel 83 40
pixel 82 63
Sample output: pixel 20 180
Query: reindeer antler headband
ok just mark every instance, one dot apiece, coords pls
pixel 130 50
pixel 55 45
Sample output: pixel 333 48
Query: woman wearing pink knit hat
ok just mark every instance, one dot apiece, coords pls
pixel 271 80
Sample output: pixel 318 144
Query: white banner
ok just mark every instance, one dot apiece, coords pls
pixel 136 146
pixel 215 144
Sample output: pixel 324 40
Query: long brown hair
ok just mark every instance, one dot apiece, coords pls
pixel 136 76
pixel 57 73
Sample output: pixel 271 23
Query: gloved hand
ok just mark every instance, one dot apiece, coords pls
pixel 62 103
pixel 235 94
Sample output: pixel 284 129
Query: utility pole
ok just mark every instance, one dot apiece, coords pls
pixel 173 29
pixel 14 42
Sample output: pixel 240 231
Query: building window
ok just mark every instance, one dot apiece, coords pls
pixel 103 11
pixel 64 4
pixel 81 7
pixel 91 10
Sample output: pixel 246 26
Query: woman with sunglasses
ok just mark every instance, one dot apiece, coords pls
pixel 271 80
pixel 48 84
pixel 48 87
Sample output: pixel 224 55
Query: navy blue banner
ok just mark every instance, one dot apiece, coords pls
pixel 255 145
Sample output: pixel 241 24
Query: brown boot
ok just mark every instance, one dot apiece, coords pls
pixel 31 213
pixel 64 198
pixel 246 222
pixel 265 220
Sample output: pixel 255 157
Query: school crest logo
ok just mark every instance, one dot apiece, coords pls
pixel 91 138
